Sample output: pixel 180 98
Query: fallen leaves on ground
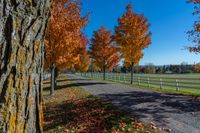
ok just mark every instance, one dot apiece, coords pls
pixel 73 110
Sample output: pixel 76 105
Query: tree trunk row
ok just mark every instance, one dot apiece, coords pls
pixel 104 72
pixel 54 74
pixel 22 29
pixel 132 65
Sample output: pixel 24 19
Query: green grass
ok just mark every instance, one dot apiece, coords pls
pixel 186 82
pixel 73 110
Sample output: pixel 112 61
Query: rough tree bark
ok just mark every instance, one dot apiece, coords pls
pixel 22 27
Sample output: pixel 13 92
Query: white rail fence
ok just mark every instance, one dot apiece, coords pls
pixel 46 76
pixel 148 80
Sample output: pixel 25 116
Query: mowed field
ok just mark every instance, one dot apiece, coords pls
pixel 188 84
pixel 192 75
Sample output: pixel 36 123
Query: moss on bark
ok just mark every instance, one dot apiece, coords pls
pixel 22 29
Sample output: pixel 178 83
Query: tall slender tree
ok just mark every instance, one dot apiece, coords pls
pixel 103 51
pixel 22 29
pixel 132 36
pixel 194 35
pixel 63 36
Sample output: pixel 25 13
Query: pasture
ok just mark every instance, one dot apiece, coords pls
pixel 187 84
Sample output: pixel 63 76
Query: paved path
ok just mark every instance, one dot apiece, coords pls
pixel 180 113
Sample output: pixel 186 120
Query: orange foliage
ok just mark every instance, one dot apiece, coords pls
pixel 103 51
pixel 196 68
pixel 195 33
pixel 83 62
pixel 63 36
pixel 132 36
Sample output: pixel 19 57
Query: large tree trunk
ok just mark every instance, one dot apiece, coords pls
pixel 22 27
pixel 132 65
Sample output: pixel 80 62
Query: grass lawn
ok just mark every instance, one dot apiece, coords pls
pixel 167 83
pixel 73 110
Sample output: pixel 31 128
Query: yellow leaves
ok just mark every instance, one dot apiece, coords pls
pixel 83 62
pixel 132 36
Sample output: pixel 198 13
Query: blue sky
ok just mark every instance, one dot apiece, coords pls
pixel 170 20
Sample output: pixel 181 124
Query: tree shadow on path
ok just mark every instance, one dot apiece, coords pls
pixel 152 105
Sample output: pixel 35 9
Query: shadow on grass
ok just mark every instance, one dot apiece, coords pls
pixel 60 86
pixel 84 115
pixel 63 80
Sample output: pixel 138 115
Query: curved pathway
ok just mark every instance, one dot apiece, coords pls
pixel 177 112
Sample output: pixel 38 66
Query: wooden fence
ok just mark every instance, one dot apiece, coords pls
pixel 149 81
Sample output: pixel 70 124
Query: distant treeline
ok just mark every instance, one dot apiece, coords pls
pixel 152 69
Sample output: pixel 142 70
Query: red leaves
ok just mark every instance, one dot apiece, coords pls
pixel 84 41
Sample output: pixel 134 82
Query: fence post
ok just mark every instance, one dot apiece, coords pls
pixel 139 81
pixel 177 85
pixel 161 84
pixel 148 82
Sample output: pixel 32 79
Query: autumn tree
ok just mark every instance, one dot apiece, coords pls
pixel 103 51
pixel 132 36
pixel 63 36
pixel 93 68
pixel 196 68
pixel 194 35
pixel 83 61
pixel 22 29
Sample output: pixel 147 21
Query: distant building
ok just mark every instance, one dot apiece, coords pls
pixel 168 72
